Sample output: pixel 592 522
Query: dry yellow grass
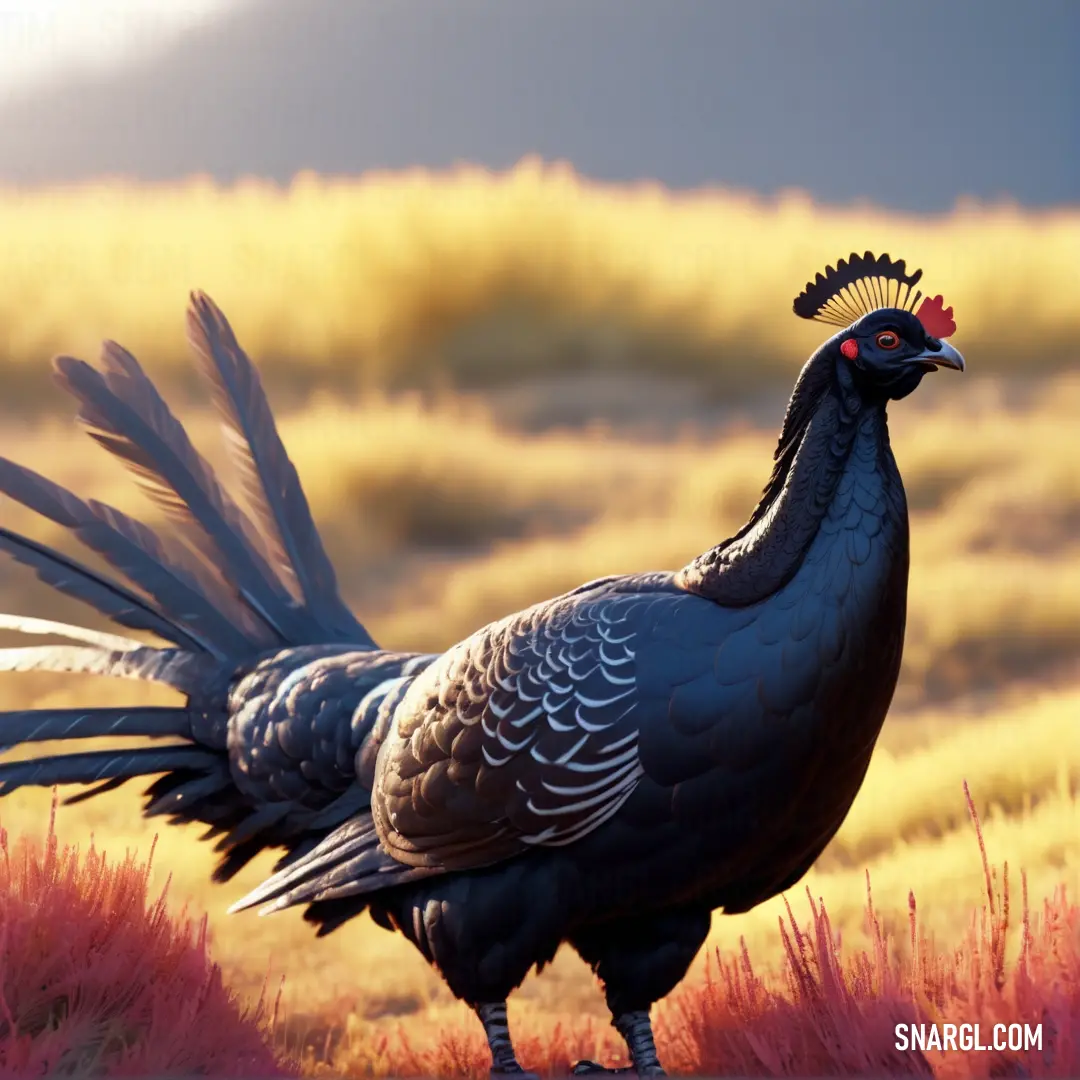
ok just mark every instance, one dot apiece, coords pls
pixel 477 277
pixel 441 516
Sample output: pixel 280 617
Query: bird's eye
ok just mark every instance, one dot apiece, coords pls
pixel 887 339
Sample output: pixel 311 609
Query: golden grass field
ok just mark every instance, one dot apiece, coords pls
pixel 495 388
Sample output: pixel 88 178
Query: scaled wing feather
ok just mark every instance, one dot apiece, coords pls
pixel 523 735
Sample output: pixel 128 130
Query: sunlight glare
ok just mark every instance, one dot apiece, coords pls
pixel 42 40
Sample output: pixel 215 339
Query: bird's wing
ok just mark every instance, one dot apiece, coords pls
pixel 524 734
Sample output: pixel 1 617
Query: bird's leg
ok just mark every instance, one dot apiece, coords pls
pixel 503 1060
pixel 640 960
pixel 636 1029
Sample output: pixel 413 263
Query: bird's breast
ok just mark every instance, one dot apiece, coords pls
pixel 802 687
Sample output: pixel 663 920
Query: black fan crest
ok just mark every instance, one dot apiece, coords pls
pixel 858 285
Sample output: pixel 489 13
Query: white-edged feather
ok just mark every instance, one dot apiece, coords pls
pixel 27 624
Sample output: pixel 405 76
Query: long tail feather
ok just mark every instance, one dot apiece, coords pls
pixel 95 765
pixel 43 725
pixel 183 589
pixel 124 413
pixel 27 624
pixel 269 477
pixel 110 598
pixel 187 672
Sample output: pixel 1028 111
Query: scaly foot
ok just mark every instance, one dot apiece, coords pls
pixel 592 1068
pixel 636 1028
pixel 504 1065
pixel 513 1072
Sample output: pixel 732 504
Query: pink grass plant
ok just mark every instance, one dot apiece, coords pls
pixel 97 980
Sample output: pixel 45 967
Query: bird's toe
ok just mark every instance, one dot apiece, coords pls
pixel 513 1074
pixel 592 1068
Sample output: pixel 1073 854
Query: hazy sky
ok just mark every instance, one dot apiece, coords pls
pixel 909 104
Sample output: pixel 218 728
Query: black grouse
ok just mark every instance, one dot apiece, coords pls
pixel 606 768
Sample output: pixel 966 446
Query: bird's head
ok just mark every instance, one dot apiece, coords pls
pixel 889 351
pixel 885 344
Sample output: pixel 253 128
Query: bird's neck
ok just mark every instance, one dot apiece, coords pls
pixel 825 417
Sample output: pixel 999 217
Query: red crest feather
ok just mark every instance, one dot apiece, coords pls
pixel 937 319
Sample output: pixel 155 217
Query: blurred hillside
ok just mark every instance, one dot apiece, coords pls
pixel 475 280
pixel 495 388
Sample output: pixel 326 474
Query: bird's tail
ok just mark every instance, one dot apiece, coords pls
pixel 199 763
pixel 222 589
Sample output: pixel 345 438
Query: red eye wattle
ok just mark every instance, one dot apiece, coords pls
pixel 850 348
pixel 888 340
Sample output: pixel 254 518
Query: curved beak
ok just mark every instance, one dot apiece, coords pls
pixel 944 356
